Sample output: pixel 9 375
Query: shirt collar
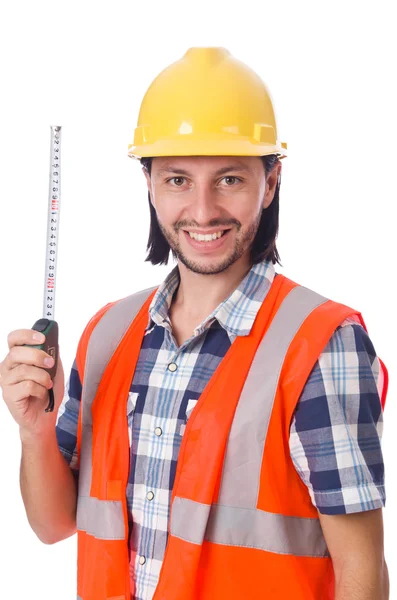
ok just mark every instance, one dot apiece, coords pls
pixel 236 314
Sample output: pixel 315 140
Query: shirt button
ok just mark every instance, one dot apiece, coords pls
pixel 158 431
pixel 142 560
pixel 150 495
pixel 172 367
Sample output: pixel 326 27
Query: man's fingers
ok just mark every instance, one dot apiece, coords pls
pixel 25 355
pixel 24 390
pixel 27 373
pixel 19 337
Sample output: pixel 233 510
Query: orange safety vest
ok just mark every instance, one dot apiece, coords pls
pixel 242 523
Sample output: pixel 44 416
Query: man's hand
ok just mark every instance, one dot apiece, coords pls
pixel 25 383
pixel 355 542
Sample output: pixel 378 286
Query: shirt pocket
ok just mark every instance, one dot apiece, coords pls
pixel 190 406
pixel 131 404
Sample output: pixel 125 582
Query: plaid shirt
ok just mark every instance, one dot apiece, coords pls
pixel 334 437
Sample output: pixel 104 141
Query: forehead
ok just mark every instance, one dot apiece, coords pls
pixel 205 164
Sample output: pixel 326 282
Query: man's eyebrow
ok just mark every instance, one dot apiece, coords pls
pixel 172 169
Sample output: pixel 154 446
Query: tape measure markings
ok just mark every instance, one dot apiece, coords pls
pixel 54 205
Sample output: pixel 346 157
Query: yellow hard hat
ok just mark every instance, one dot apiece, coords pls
pixel 208 103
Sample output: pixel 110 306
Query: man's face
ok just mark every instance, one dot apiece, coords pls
pixel 217 196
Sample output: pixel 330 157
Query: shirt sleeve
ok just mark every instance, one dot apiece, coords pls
pixel 335 435
pixel 67 419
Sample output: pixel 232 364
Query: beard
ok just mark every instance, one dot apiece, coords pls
pixel 243 241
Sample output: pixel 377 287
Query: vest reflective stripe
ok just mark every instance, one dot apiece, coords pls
pixel 232 526
pixel 111 328
pixel 242 464
pixel 85 473
pixel 102 518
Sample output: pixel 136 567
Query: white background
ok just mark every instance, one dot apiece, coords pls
pixel 330 68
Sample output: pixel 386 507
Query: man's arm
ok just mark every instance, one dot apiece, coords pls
pixel 335 444
pixel 49 471
pixel 355 543
pixel 48 489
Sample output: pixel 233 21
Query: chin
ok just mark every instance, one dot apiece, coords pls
pixel 208 265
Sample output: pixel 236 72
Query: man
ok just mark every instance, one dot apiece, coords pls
pixel 249 464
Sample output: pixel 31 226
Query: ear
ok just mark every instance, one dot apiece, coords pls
pixel 271 184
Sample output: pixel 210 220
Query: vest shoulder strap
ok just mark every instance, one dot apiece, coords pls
pixel 120 314
pixel 358 317
pixel 96 346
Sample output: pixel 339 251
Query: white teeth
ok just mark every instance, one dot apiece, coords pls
pixel 205 238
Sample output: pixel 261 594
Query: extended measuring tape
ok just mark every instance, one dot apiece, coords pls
pixel 47 325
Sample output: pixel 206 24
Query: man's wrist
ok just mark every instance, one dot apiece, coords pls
pixel 35 438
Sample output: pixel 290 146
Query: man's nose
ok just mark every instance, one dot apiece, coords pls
pixel 204 205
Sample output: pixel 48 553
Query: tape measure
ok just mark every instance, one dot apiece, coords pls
pixel 47 325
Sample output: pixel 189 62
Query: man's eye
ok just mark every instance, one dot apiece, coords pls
pixel 178 180
pixel 230 177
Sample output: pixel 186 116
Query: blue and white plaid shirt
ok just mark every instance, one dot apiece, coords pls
pixel 334 437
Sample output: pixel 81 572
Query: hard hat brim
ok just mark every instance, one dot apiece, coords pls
pixel 206 148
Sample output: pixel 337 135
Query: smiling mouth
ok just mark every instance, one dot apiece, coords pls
pixel 209 237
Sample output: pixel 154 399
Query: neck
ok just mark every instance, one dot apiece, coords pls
pixel 198 295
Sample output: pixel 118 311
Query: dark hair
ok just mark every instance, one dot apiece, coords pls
pixel 264 244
